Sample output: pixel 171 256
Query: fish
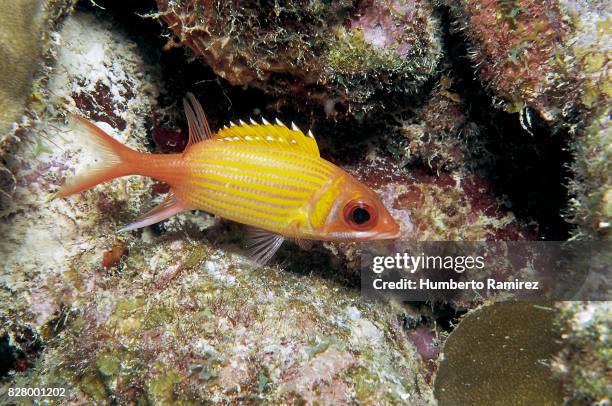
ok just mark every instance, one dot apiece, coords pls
pixel 269 177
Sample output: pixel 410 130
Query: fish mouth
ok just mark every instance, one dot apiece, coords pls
pixel 364 236
pixel 389 235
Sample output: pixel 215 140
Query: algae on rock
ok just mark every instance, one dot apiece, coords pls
pixel 550 56
pixel 42 237
pixel 553 58
pixel 348 56
pixel 193 324
pixel 585 362
pixel 26 42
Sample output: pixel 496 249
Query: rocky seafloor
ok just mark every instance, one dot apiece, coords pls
pixel 472 120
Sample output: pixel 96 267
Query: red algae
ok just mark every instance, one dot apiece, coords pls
pixel 101 106
pixel 112 257
pixel 167 138
pixel 160 188
pixel 423 339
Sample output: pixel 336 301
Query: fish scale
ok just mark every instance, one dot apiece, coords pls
pixel 214 168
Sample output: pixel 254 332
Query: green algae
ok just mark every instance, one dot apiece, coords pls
pixel 351 62
pixel 160 390
pixel 108 364
pixel 93 386
pixel 196 256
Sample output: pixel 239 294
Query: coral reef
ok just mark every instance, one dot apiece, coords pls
pixel 584 363
pixel 550 61
pixel 501 354
pixel 549 56
pixel 176 313
pixel 444 207
pixel 449 206
pixel 552 58
pixel 40 236
pixel 160 316
pixel 348 56
pixel 27 46
pixel 193 324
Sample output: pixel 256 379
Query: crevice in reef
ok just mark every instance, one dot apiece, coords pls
pixel 8 355
pixel 530 169
pixel 20 353
pixel 446 316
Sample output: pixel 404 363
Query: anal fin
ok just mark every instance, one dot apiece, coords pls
pixel 262 244
pixel 168 208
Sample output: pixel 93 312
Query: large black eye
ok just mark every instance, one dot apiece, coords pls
pixel 360 215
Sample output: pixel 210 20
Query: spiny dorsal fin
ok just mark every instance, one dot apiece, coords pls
pixel 272 135
pixel 199 130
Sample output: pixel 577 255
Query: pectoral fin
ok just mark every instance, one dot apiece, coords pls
pixel 304 244
pixel 262 244
pixel 168 208
pixel 300 241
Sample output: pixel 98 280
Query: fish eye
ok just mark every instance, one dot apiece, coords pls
pixel 360 215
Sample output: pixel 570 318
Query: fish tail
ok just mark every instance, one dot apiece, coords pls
pixel 113 159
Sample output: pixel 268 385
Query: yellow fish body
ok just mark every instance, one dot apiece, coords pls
pixel 267 176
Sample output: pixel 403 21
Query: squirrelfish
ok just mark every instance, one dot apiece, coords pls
pixel 267 176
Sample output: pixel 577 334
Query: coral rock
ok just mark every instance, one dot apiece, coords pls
pixel 191 324
pixel 551 56
pixel 346 55
pixel 501 354
pixel 585 360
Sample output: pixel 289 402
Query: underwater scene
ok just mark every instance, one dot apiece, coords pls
pixel 305 202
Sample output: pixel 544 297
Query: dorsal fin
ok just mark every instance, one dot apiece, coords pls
pixel 199 130
pixel 272 135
